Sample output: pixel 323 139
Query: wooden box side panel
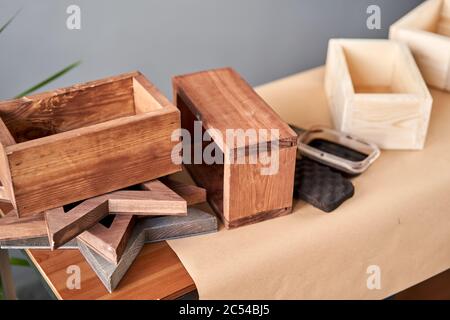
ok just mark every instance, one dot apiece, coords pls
pixel 424 16
pixel 210 177
pixel 338 86
pixel 68 109
pixel 431 52
pixel 54 171
pixel 426 31
pixel 6 188
pixel 391 123
pixel 251 193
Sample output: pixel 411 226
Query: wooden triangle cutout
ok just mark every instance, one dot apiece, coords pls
pixel 109 242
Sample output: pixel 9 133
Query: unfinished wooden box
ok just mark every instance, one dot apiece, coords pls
pixel 375 91
pixel 70 144
pixel 238 188
pixel 426 30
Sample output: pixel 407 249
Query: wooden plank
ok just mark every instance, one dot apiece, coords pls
pixel 197 222
pixel 35 243
pixel 6 189
pixel 109 242
pixel 6 138
pixel 13 228
pixel 190 193
pixel 161 201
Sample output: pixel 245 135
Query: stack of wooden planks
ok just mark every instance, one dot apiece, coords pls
pixel 110 230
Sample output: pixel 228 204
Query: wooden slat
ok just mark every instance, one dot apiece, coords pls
pixel 191 193
pixel 13 228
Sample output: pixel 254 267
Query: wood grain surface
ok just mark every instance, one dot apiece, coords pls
pixel 157 273
pixel 426 30
pixel 236 186
pixel 13 228
pixel 109 241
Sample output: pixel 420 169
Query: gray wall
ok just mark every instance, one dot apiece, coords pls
pixel 263 39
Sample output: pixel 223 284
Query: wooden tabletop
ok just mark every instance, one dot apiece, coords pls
pixel 157 273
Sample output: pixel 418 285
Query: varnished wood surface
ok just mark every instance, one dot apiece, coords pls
pixel 157 273
pixel 223 100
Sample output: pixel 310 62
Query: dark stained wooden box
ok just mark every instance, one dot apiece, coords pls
pixel 237 190
pixel 74 143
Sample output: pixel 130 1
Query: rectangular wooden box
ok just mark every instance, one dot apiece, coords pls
pixel 426 30
pixel 70 144
pixel 237 188
pixel 375 91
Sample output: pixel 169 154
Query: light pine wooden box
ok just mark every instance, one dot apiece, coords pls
pixel 426 30
pixel 237 189
pixel 70 144
pixel 375 91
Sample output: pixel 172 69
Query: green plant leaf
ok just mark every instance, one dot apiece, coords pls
pixel 49 79
pixel 9 21
pixel 19 262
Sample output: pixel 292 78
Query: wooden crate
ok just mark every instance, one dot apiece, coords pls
pixel 426 30
pixel 237 189
pixel 375 91
pixel 70 144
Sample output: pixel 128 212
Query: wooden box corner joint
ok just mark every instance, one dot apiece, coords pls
pixel 71 144
pixel 375 91
pixel 238 189
pixel 426 30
